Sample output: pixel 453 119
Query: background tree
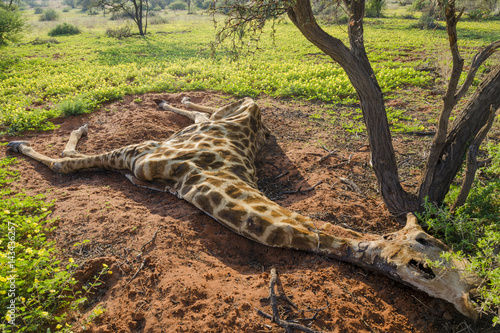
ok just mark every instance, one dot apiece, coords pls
pixel 11 23
pixel 374 7
pixel 451 142
pixel 137 10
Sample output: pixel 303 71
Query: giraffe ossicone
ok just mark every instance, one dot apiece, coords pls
pixel 211 165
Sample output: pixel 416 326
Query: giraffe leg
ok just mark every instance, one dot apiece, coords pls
pixel 190 105
pixel 126 158
pixel 75 136
pixel 197 117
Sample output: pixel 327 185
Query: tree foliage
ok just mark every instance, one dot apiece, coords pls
pixel 11 24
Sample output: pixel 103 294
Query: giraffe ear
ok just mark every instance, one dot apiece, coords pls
pixel 412 222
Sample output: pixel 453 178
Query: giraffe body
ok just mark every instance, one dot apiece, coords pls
pixel 211 165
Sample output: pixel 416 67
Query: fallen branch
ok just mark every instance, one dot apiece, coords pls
pixel 135 275
pixel 330 154
pixel 342 163
pixel 352 185
pixel 289 326
pixel 301 191
pixel 151 240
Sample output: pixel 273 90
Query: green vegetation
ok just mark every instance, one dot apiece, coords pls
pixel 98 69
pixel 49 14
pixel 179 5
pixel 42 287
pixel 64 29
pixel 30 275
pixel 473 231
pixel 73 107
pixel 11 24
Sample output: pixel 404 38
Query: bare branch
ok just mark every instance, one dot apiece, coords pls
pixel 449 100
pixel 472 164
pixel 479 58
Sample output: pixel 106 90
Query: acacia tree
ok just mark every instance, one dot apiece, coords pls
pixel 451 141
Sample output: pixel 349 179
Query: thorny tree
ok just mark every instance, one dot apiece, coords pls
pixel 137 10
pixel 451 143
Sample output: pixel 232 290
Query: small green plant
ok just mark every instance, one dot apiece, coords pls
pixel 473 231
pixel 49 14
pixel 73 107
pixel 93 316
pixel 35 286
pixel 38 10
pixel 64 29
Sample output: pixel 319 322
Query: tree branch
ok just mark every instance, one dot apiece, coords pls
pixel 478 60
pixel 472 164
pixel 449 100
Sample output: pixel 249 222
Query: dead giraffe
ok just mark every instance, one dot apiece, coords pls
pixel 211 165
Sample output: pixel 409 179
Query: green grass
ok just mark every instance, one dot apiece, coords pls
pixel 473 231
pixel 94 68
pixel 33 281
pixel 37 291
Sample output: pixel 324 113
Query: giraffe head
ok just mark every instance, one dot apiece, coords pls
pixel 410 250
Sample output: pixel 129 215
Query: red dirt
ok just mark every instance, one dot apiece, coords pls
pixel 200 277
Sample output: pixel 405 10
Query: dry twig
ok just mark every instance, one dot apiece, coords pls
pixel 152 239
pixel 301 191
pixel 289 326
pixel 137 272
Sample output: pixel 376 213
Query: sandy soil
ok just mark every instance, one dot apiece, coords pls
pixel 197 276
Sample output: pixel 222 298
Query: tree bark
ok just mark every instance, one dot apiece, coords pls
pixel 357 66
pixel 461 134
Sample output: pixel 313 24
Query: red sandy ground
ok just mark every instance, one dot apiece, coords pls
pixel 200 277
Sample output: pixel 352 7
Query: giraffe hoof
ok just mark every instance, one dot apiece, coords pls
pixel 186 100
pixel 16 145
pixel 161 104
pixel 84 129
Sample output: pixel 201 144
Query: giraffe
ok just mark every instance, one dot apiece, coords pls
pixel 211 165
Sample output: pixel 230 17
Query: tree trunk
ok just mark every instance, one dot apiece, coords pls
pixel 463 130
pixel 357 66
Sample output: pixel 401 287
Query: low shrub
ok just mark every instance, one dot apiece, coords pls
pixel 38 10
pixel 119 33
pixel 178 6
pixel 73 107
pixel 34 284
pixel 158 20
pixel 64 29
pixel 49 14
pixel 473 231
pixel 426 22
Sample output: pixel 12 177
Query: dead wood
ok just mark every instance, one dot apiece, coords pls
pixel 151 240
pixel 137 272
pixel 301 191
pixel 288 325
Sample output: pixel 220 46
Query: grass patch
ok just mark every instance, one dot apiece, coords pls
pixel 64 29
pixel 175 57
pixel 74 107
pixel 35 286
